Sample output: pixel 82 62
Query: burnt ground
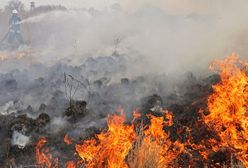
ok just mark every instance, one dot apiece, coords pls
pixel 81 119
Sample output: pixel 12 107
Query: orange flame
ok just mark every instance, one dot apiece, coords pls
pixel 110 148
pixel 71 164
pixel 67 140
pixel 43 158
pixel 156 144
pixel 169 117
pixel 228 106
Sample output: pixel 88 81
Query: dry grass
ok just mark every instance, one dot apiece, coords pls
pixel 142 155
pixel 146 155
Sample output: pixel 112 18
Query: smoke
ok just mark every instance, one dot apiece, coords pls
pixel 19 139
pixel 99 46
pixel 57 125
pixel 124 39
pixel 166 36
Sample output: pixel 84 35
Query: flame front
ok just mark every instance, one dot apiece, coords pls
pixel 228 106
pixel 138 145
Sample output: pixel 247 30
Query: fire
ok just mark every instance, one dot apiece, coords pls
pixel 71 164
pixel 155 148
pixel 43 157
pixel 137 145
pixel 109 148
pixel 169 117
pixel 228 106
pixel 67 140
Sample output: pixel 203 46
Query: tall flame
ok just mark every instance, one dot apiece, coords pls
pixel 110 148
pixel 113 147
pixel 228 106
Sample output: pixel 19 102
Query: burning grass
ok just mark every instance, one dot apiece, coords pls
pixel 216 135
pixel 141 146
pixel 228 106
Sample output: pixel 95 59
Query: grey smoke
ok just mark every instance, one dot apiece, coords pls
pixel 166 41
pixel 19 139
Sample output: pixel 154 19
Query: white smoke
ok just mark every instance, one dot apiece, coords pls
pixel 11 107
pixel 8 108
pixel 19 139
pixel 57 125
pixel 166 36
